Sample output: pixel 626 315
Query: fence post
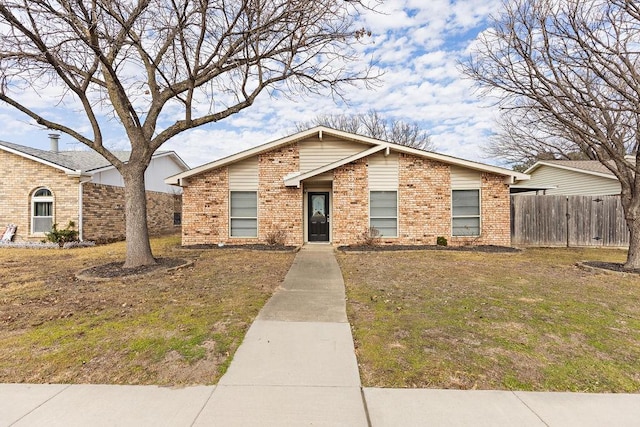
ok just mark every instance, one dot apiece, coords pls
pixel 566 222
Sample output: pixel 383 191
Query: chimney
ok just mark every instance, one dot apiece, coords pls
pixel 53 139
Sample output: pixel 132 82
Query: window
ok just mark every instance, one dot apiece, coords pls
pixel 465 206
pixel 383 212
pixel 41 211
pixel 244 214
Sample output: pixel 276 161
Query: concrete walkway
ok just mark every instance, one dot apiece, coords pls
pixel 295 367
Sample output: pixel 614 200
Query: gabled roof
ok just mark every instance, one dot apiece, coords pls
pixel 375 144
pixel 76 162
pixel 589 167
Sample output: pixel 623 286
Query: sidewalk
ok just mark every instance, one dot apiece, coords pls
pixel 297 366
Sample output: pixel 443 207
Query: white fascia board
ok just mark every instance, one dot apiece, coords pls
pixel 481 167
pixel 172 154
pixel 294 181
pixel 318 130
pixel 322 131
pixel 175 158
pixel 176 179
pixel 68 171
pixel 569 168
pixel 178 159
pixel 80 174
pixel 534 187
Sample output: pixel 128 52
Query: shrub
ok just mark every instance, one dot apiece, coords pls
pixel 277 237
pixel 371 237
pixel 441 241
pixel 62 236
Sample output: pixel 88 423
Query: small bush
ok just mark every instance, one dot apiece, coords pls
pixel 441 241
pixel 277 237
pixel 371 237
pixel 62 236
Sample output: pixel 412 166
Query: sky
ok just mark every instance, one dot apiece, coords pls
pixel 416 44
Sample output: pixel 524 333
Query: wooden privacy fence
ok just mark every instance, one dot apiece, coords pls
pixel 568 221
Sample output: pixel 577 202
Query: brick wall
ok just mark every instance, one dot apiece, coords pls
pixel 279 208
pixel 205 215
pixel 19 178
pixel 495 219
pixel 103 212
pixel 424 201
pixel 205 208
pixel 424 204
pixel 350 202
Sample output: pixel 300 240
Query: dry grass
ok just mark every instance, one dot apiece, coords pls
pixel 173 328
pixel 527 321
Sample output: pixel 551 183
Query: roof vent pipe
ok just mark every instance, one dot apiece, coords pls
pixel 53 139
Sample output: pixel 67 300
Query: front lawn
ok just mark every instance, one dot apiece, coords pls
pixel 175 328
pixel 525 321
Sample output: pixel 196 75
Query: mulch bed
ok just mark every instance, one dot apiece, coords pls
pixel 256 247
pixel 611 266
pixel 382 248
pixel 116 270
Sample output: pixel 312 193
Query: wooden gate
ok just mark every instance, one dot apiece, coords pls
pixel 568 221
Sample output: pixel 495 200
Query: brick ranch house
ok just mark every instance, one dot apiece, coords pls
pixel 39 188
pixel 324 185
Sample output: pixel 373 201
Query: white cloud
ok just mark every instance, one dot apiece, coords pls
pixel 416 43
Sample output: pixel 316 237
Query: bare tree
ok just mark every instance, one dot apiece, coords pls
pixel 161 67
pixel 521 144
pixel 373 125
pixel 567 73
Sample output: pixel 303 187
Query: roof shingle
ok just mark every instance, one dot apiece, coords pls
pixel 83 160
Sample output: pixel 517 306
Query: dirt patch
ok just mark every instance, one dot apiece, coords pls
pixel 384 248
pixel 115 270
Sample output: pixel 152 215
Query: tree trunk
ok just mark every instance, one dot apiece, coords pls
pixel 137 233
pixel 633 256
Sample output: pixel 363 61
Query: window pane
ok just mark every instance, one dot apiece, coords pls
pixel 318 207
pixel 43 192
pixel 244 228
pixel 383 204
pixel 383 212
pixel 466 226
pixel 466 202
pixel 383 198
pixel 244 204
pixel 42 208
pixel 42 224
pixel 386 226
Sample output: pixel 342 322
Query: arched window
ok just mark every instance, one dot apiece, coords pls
pixel 41 211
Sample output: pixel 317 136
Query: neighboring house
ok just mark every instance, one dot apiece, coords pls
pixel 324 185
pixel 39 188
pixel 569 178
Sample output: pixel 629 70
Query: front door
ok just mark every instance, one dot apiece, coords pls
pixel 318 219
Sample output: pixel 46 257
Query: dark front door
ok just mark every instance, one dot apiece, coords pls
pixel 318 207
